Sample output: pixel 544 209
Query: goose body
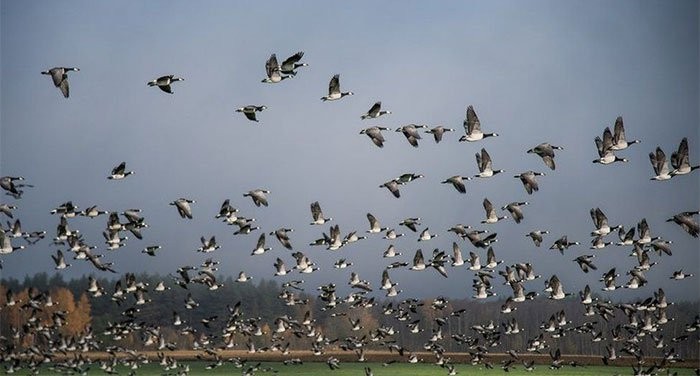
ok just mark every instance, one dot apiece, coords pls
pixel 472 127
pixel 250 111
pixel 291 64
pixel 59 76
pixel 334 92
pixel 375 134
pixel 375 111
pixel 272 68
pixel 546 151
pixel 164 82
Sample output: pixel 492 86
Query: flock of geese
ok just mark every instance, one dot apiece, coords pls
pixel 645 319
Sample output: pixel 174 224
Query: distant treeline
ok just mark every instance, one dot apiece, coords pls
pixel 458 321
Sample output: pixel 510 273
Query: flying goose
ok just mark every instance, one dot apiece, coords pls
pixel 8 183
pixel 457 259
pixel 260 246
pixel 438 131
pixel 660 165
pixel 529 182
pixel 681 161
pixel 334 92
pixel 317 214
pixel 606 154
pixel 457 181
pixel 335 240
pixel 242 277
pixel 391 252
pixel 599 243
pixel 208 245
pixel 584 262
pixel 600 220
pixel 283 237
pixel 151 250
pixel 491 261
pixel 410 223
pixel 515 210
pixel 678 275
pixel 119 172
pixel 258 196
pixel 472 127
pixel 687 223
pixel 374 226
pixel 391 234
pixel 59 260
pixel 375 111
pixel 619 141
pixel 92 212
pixel 272 69
pixel 491 216
pixel 410 131
pixel 557 290
pixel 183 207
pixel 393 187
pixel 536 236
pixel 375 134
pixel 164 82
pixel 418 261
pixel 250 110
pixel 546 151
pixel 59 75
pixel 291 64
pixel 562 243
pixel 425 235
pixel 483 161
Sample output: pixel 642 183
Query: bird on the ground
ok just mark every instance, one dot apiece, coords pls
pixel 59 75
pixel 164 82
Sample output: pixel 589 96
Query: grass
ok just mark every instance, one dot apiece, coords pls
pixel 357 369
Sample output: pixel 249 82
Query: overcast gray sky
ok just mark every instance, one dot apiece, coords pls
pixel 534 71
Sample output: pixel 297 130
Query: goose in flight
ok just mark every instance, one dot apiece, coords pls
pixel 291 64
pixel 119 172
pixel 563 243
pixel 600 220
pixel 410 131
pixel 250 111
pixel 374 226
pixel 528 180
pixel 491 216
pixel 259 196
pixel 687 223
pixel 272 68
pixel 660 165
pixel 59 75
pixel 546 151
pixel 375 134
pixel 283 237
pixel 317 214
pixel 260 246
pixel 375 111
pixel 536 236
pixel 472 127
pixel 393 187
pixel 619 140
pixel 515 210
pixel 438 132
pixel 334 92
pixel 164 82
pixel 681 161
pixel 8 183
pixel 183 207
pixel 457 181
pixel 606 154
pixel 483 161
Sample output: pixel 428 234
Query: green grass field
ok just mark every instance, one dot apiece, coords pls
pixel 348 369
